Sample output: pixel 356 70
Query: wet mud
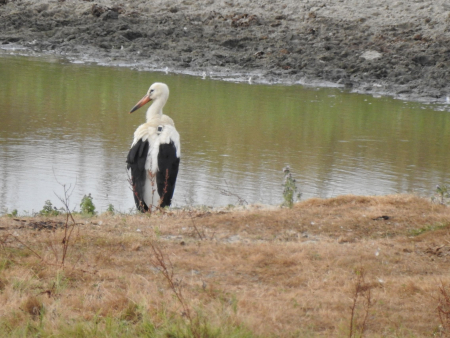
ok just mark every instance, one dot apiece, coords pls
pixel 385 48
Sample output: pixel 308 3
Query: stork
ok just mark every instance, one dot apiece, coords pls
pixel 154 153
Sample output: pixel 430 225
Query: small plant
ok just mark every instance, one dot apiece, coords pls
pixel 13 213
pixel 87 206
pixel 49 210
pixel 111 209
pixel 290 188
pixel 442 194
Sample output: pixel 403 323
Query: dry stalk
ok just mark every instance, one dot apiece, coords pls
pixel 361 290
pixel 228 192
pixel 443 308
pixel 68 228
pixel 66 241
pixel 163 263
pixel 201 233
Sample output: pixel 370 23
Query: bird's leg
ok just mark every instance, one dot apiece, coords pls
pixel 166 183
pixel 152 178
pixel 133 188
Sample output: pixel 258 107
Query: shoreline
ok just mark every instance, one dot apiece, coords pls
pixel 400 50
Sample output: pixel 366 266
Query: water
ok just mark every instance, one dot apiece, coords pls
pixel 63 123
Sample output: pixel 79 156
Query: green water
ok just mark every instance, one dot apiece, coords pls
pixel 63 123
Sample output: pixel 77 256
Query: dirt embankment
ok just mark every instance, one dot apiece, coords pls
pixel 399 48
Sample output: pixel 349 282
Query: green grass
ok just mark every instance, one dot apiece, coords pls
pixel 112 327
pixel 427 228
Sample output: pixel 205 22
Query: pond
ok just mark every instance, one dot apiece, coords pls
pixel 68 124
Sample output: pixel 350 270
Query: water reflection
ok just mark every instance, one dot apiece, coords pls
pixel 68 123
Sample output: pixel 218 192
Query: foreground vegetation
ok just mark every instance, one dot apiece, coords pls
pixel 344 267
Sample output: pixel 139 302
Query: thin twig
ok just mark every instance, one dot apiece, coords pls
pixel 228 192
pixel 361 289
pixel 167 271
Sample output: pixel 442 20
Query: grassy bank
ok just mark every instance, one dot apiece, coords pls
pixel 345 267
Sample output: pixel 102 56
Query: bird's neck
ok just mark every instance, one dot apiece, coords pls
pixel 155 110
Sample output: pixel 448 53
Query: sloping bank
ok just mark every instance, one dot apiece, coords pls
pixel 392 48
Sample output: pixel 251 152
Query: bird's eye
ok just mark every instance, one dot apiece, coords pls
pixel 151 91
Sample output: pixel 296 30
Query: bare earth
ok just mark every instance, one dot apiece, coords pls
pixel 250 272
pixel 399 48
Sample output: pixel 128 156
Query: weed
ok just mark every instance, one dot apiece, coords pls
pixel 14 213
pixel 49 210
pixel 442 194
pixel 111 209
pixel 87 206
pixel 289 188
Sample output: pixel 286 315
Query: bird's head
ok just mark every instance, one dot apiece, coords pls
pixel 157 92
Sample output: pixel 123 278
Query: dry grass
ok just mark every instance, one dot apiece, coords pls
pixel 255 272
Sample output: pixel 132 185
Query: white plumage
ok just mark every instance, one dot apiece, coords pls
pixel 155 151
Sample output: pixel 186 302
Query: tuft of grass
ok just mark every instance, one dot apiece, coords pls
pixel 5 263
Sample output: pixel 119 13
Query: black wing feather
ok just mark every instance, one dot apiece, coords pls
pixel 168 164
pixel 136 162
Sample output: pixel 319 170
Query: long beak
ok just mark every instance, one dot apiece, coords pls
pixel 143 101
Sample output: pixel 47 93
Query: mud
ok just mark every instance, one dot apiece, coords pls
pixel 398 48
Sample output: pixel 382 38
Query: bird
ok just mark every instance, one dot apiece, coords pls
pixel 155 152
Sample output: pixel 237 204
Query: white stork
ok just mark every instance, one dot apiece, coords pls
pixel 155 152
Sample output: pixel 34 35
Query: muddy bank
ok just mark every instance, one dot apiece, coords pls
pixel 389 48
